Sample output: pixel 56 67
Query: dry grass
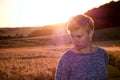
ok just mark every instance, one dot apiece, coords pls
pixel 30 63
pixel 34 63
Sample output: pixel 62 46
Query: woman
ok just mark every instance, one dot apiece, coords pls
pixel 84 61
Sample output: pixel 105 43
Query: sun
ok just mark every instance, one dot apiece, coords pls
pixel 37 12
pixel 45 12
pixel 20 13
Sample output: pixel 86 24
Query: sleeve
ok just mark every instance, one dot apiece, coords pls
pixel 63 69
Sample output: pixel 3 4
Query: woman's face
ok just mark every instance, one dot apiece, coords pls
pixel 81 38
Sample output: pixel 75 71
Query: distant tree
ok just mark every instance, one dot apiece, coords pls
pixel 17 35
pixel 21 36
pixel 9 36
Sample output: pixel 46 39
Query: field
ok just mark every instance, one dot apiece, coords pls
pixel 36 58
pixel 39 62
pixel 29 63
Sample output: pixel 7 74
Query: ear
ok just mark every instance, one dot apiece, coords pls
pixel 91 35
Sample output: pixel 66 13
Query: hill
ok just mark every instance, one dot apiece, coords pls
pixel 58 36
pixel 49 30
pixel 106 34
pixel 107 15
pixel 13 31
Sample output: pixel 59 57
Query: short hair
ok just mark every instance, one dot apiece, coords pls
pixel 79 21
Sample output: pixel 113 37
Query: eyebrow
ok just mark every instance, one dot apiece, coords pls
pixel 76 35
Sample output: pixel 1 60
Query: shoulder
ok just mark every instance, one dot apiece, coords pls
pixel 64 59
pixel 66 54
pixel 103 51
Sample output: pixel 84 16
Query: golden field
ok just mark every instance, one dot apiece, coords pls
pixel 29 63
pixel 39 62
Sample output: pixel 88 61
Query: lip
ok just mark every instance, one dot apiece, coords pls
pixel 77 45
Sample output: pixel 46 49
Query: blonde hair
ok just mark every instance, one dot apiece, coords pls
pixel 79 21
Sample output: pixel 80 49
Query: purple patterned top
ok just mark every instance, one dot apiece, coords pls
pixel 91 66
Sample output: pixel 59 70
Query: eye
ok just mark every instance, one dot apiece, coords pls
pixel 72 36
pixel 79 36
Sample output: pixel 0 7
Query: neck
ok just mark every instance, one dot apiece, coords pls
pixel 87 49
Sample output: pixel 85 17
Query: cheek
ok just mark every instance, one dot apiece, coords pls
pixel 82 40
pixel 85 40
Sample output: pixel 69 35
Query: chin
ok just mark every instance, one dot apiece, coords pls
pixel 79 47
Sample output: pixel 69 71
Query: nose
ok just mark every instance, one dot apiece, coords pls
pixel 76 40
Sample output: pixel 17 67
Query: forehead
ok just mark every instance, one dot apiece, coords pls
pixel 80 31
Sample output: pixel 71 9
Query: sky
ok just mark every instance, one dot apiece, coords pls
pixel 26 13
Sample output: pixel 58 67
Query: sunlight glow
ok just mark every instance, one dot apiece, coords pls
pixel 19 13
